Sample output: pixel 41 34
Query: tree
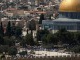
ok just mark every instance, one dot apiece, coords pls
pixel 28 39
pixel 49 39
pixel 8 29
pixel 44 39
pixel 12 4
pixel 1 40
pixel 64 36
pixel 41 33
pixel 32 26
pixel 75 49
pixel 10 41
pixel 1 34
pixel 32 52
pixel 1 30
pixel 50 17
pixel 18 31
pixel 41 18
pixel 77 37
pixel 12 50
pixel 13 30
pixel 23 53
pixel 4 48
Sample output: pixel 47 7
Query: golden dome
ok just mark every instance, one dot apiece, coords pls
pixel 70 6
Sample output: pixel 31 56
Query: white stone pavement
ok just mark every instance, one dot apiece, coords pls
pixel 49 53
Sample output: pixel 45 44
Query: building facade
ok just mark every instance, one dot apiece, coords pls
pixel 69 17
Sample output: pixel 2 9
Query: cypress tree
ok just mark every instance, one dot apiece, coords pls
pixel 8 29
pixel 1 30
pixel 32 26
pixel 18 31
pixel 41 18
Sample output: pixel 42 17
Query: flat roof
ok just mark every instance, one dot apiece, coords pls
pixel 60 20
pixel 66 20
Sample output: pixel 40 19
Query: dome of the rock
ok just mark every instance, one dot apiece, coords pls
pixel 70 6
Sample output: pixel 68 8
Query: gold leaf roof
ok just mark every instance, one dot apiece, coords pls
pixel 70 6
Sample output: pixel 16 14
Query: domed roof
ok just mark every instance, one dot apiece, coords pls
pixel 70 6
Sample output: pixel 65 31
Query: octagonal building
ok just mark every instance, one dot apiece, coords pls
pixel 69 17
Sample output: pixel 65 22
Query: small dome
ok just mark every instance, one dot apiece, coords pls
pixel 70 6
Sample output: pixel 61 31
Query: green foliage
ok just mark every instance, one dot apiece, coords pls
pixel 50 17
pixel 64 36
pixel 28 39
pixel 12 50
pixel 13 30
pixel 8 29
pixel 77 37
pixel 32 25
pixel 44 39
pixel 41 33
pixel 11 4
pixel 1 40
pixel 1 30
pixel 10 41
pixel 4 48
pixel 23 53
pixel 32 52
pixel 41 18
pixel 61 37
pixel 18 31
pixel 75 49
pixel 49 39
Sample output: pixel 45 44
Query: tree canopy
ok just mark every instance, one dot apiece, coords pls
pixel 8 29
pixel 41 18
